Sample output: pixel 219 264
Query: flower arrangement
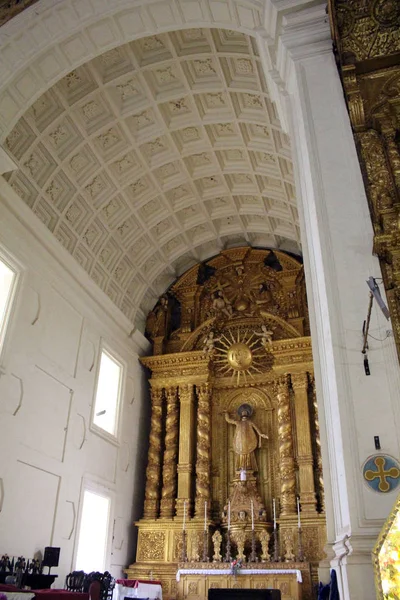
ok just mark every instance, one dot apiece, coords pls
pixel 235 566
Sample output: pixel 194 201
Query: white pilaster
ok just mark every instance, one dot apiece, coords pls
pixel 337 244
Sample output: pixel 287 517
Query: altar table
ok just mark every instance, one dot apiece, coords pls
pixel 193 584
pixel 137 588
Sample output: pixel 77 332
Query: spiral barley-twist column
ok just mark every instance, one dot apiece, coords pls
pixel 286 459
pixel 170 454
pixel 203 450
pixel 318 469
pixel 153 472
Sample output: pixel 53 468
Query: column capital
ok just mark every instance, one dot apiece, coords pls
pixel 296 35
pixel 156 394
pixel 299 381
pixel 282 384
pixel 204 390
pixel 170 392
pixel 186 392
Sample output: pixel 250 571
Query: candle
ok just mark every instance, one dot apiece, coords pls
pixel 252 516
pixel 205 515
pixel 229 515
pixel 298 513
pixel 243 475
pixel 273 505
pixel 184 515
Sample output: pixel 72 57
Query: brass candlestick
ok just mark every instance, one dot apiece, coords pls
pixel 205 546
pixel 276 546
pixel 300 555
pixel 184 554
pixel 228 548
pixel 253 557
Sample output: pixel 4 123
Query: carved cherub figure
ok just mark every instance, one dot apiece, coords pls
pixel 266 337
pixel 209 343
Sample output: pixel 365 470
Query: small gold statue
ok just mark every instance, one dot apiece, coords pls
pixel 288 544
pixel 240 539
pixel 264 538
pixel 217 541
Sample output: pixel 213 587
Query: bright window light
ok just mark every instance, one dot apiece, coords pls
pixel 107 394
pixel 93 533
pixel 7 281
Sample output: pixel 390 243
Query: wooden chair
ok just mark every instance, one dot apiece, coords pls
pixel 74 581
pixel 107 583
pixel 94 590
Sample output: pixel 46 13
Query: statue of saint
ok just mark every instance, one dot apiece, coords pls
pixel 221 304
pixel 247 438
pixel 157 319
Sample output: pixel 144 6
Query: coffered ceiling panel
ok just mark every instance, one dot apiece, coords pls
pixel 156 155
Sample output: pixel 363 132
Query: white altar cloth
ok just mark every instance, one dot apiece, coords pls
pixel 239 572
pixel 143 589
pixel 19 595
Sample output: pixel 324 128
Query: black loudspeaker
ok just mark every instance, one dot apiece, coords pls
pixel 51 557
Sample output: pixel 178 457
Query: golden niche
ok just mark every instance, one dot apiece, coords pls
pixel 240 356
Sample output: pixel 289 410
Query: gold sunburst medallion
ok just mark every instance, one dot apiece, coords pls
pixel 239 356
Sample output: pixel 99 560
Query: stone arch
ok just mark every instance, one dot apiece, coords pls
pixel 46 41
pixel 262 398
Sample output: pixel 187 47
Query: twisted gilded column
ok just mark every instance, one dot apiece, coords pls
pixel 170 454
pixel 318 458
pixel 153 472
pixel 305 458
pixel 203 449
pixel 186 448
pixel 286 457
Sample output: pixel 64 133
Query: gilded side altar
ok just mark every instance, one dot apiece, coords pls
pixel 234 424
pixel 367 47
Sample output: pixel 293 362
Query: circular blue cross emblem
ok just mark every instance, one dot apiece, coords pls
pixel 382 473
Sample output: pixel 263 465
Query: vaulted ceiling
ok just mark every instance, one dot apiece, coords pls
pixel 154 156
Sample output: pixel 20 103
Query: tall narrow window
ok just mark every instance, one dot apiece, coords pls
pixel 8 278
pixel 108 393
pixel 93 533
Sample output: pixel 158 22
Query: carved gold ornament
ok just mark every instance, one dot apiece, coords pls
pixel 225 444
pixel 239 357
pixel 367 41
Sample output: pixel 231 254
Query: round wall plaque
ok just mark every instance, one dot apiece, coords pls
pixel 381 472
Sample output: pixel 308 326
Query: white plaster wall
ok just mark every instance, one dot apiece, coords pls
pixel 48 370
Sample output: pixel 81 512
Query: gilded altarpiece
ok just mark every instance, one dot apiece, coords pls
pixel 366 36
pixel 234 426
